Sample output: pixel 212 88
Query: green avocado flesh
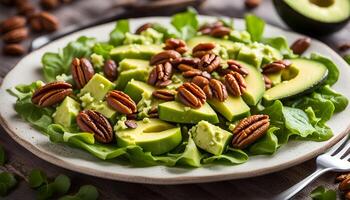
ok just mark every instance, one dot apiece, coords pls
pixel 132 69
pixel 102 108
pixel 66 112
pixel 233 108
pixel 97 87
pixel 329 11
pixel 135 51
pixel 154 136
pixel 173 111
pixel 255 85
pixel 135 89
pixel 306 76
pixel 210 138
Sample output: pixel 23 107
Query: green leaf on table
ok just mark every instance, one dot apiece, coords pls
pixel 36 178
pixel 255 26
pixel 186 23
pixel 321 193
pixel 333 72
pixel 117 36
pixel 2 156
pixel 86 192
pixel 7 182
pixel 61 184
pixel 44 192
pixel 347 58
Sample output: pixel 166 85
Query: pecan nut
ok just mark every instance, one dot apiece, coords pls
pixel 207 28
pixel 191 95
pixel 276 66
pixel 131 124
pixel 164 56
pixel 25 8
pixel 176 45
pixel 249 130
pixel 193 62
pixel 344 185
pixel 13 49
pixel 153 112
pixel 44 21
pixel 235 83
pixel 13 23
pixel 16 35
pixel 97 124
pixel 220 31
pixel 121 102
pixel 49 4
pixel 234 66
pixel 196 72
pixel 110 70
pixel 202 49
pixel 160 75
pixel 301 45
pixel 268 82
pixel 51 93
pixel 215 89
pixel 342 177
pixel 209 63
pixel 250 4
pixel 143 28
pixel 163 94
pixel 201 81
pixel 82 71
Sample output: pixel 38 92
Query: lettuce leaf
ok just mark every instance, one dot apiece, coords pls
pixel 339 101
pixel 255 26
pixel 267 144
pixel 117 36
pixel 55 64
pixel 281 44
pixel 231 156
pixel 333 72
pixel 102 49
pixel 186 23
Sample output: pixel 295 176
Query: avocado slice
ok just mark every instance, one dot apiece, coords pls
pixel 233 108
pixel 305 76
pixel 276 78
pixel 130 63
pixel 173 111
pixel 135 89
pixel 210 138
pixel 314 16
pixel 66 112
pixel 155 136
pixel 97 87
pixel 135 51
pixel 102 108
pixel 255 85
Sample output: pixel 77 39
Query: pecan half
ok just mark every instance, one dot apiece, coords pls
pixel 215 89
pixel 342 177
pixel 185 68
pixel 344 185
pixel 202 49
pixel 143 28
pixel 51 93
pixel 207 29
pixel 97 124
pixel 13 23
pixel 250 4
pixel 131 124
pixel 16 35
pixel 193 62
pixel 82 71
pixel 235 83
pixel 196 72
pixel 13 49
pixel 191 95
pixel 301 45
pixel 121 102
pixel 110 70
pixel 164 56
pixel 201 81
pixel 160 75
pixel 209 63
pixel 163 94
pixel 220 31
pixel 153 112
pixel 249 130
pixel 268 82
pixel 234 66
pixel 176 45
pixel 276 66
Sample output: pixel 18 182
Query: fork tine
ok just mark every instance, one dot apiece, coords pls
pixel 337 146
pixel 343 151
pixel 346 157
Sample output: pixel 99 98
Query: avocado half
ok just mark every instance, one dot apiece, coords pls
pixel 315 17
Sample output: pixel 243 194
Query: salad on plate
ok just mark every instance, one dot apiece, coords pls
pixel 188 93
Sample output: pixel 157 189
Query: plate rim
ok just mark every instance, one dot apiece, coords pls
pixel 180 179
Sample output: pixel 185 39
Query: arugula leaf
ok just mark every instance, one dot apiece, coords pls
pixel 55 64
pixel 231 156
pixel 267 144
pixel 86 192
pixel 117 35
pixel 281 44
pixel 2 156
pixel 7 182
pixel 321 193
pixel 186 23
pixel 36 178
pixel 255 26
pixel 333 72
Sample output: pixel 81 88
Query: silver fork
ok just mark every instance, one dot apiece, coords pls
pixel 336 159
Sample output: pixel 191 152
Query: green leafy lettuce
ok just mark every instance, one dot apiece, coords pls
pixel 117 35
pixel 281 44
pixel 333 72
pixel 255 26
pixel 321 193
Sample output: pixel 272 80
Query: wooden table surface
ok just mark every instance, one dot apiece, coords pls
pixel 261 187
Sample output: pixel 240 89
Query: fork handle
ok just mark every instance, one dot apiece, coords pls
pixel 289 193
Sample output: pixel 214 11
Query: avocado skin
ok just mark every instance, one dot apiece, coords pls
pixel 303 24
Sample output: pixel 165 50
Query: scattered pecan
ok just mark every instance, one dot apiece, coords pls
pixel 344 47
pixel 202 49
pixel 121 102
pixel 26 9
pixel 249 130
pixel 13 23
pixel 82 71
pixel 131 124
pixel 143 28
pixel 97 124
pixel 191 95
pixel 13 49
pixel 220 31
pixel 342 177
pixel 215 89
pixel 234 66
pixel 185 68
pixel 193 62
pixel 132 116
pixel 44 21
pixel 300 45
pixel 209 63
pixel 344 185
pixel 196 72
pixel 347 195
pixel 160 75
pixel 276 66
pixel 268 82
pixel 235 83
pixel 207 29
pixel 110 70
pixel 164 56
pixel 163 94
pixel 16 35
pixel 49 4
pixel 51 93
pixel 200 81
pixel 252 3
pixel 153 112
pixel 176 45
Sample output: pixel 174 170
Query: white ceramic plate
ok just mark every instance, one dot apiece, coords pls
pixel 28 70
